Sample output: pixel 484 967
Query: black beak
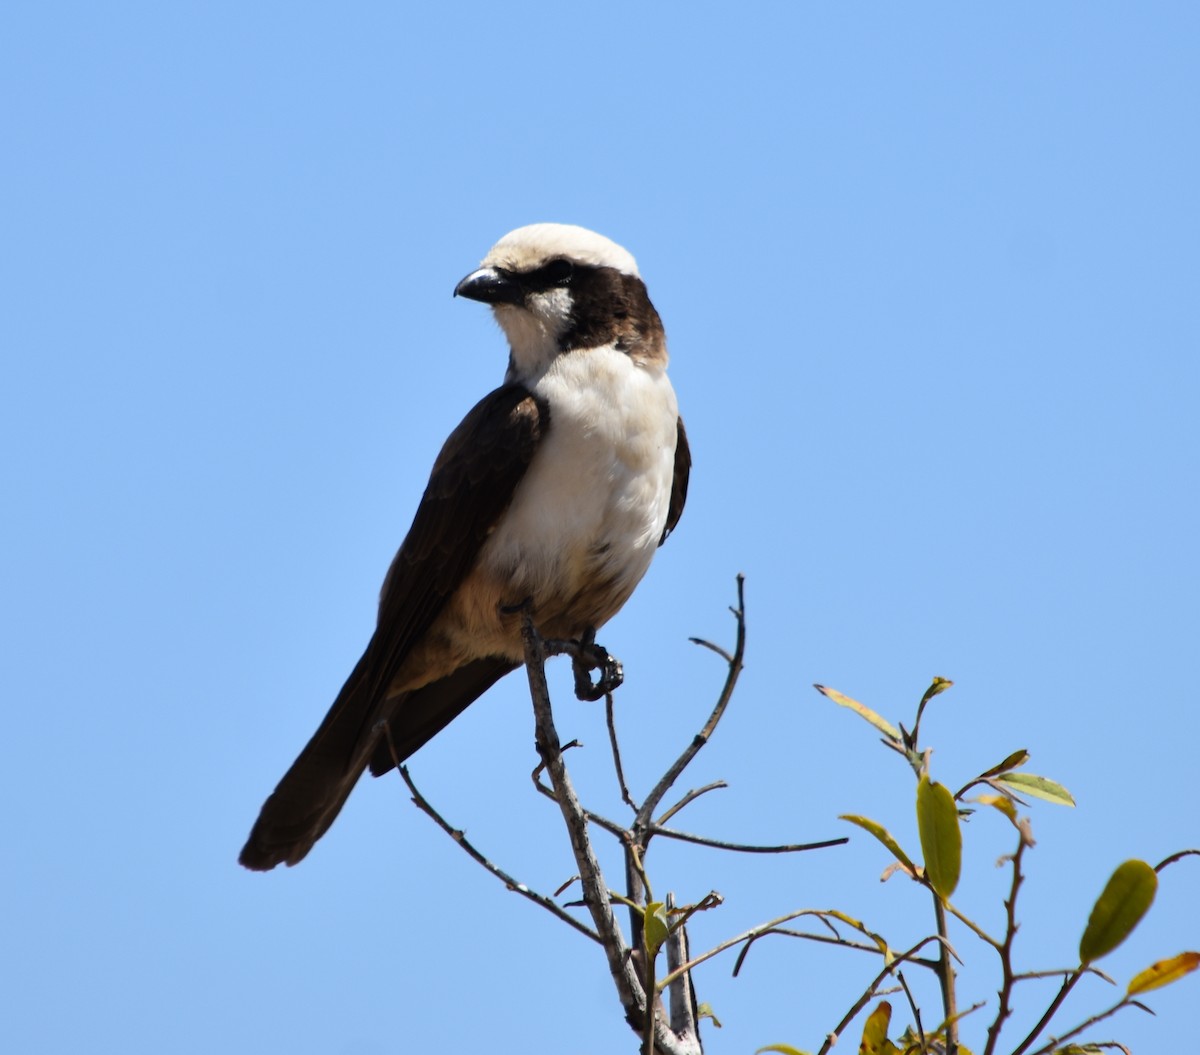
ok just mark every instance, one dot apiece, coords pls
pixel 491 285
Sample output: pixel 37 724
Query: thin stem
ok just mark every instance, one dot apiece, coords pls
pixel 616 751
pixel 745 848
pixel 690 797
pixel 1055 1004
pixel 716 950
pixel 945 975
pixel 912 1006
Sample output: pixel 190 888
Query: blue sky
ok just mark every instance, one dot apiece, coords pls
pixel 929 277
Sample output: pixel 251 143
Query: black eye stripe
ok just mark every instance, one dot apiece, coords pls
pixel 549 276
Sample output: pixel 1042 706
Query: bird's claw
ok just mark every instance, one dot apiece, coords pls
pixel 587 656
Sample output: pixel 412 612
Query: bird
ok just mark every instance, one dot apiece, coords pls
pixel 550 498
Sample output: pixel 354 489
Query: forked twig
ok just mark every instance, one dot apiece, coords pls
pixel 642 820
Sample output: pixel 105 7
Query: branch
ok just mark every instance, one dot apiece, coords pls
pixel 683 997
pixel 632 994
pixel 1005 950
pixel 745 848
pixel 1119 1005
pixel 832 1038
pixel 827 939
pixel 689 798
pixel 1055 1004
pixel 642 820
pixel 945 973
pixel 748 935
pixel 459 837
pixel 616 752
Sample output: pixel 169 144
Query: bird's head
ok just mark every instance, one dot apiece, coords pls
pixel 558 288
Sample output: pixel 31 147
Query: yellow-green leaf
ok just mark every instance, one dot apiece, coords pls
pixel 655 926
pixel 862 928
pixel 939 685
pixel 941 837
pixel 1119 908
pixel 883 835
pixel 783 1049
pixel 704 1010
pixel 1039 787
pixel 875 1036
pixel 1013 761
pixel 861 709
pixel 1164 973
pixel 999 802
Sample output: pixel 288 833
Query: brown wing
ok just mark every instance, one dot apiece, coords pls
pixel 679 484
pixel 471 486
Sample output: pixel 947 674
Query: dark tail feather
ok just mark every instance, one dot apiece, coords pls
pixel 312 793
pixel 427 711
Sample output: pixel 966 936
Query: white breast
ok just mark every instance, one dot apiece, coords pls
pixel 588 515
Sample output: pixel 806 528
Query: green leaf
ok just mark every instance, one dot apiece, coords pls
pixel 941 837
pixel 1122 904
pixel 861 709
pixel 1013 761
pixel 1164 972
pixel 783 1049
pixel 655 926
pixel 883 835
pixel 875 1039
pixel 1039 787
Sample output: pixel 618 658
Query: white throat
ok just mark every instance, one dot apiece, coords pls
pixel 534 332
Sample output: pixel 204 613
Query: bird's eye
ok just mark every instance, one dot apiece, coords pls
pixel 557 273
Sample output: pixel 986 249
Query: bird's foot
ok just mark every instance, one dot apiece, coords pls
pixel 587 656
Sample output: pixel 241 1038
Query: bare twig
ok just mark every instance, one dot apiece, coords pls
pixel 712 648
pixel 1006 949
pixel 1062 972
pixel 912 1006
pixel 624 834
pixel 610 826
pixel 459 837
pixel 974 927
pixel 832 1038
pixel 1175 857
pixel 1055 1004
pixel 616 752
pixel 729 943
pixel 1055 1042
pixel 826 939
pixel 744 848
pixel 652 800
pixel 690 797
